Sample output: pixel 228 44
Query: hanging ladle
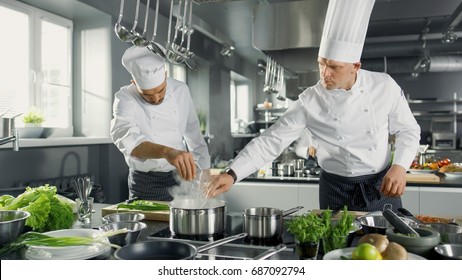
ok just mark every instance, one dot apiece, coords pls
pixel 132 33
pixel 140 39
pixel 121 31
pixel 154 46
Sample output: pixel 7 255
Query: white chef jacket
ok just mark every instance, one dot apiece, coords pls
pixel 350 127
pixel 136 121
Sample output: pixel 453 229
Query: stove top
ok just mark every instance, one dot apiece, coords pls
pixel 244 248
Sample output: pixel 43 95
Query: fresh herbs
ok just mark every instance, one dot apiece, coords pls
pixel 47 211
pixel 308 227
pixel 144 205
pixel 337 231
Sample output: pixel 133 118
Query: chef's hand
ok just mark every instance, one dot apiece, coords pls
pixel 394 182
pixel 312 151
pixel 183 162
pixel 219 184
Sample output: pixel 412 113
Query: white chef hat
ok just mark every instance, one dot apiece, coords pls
pixel 146 67
pixel 345 30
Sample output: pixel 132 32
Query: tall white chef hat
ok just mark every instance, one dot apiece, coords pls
pixel 146 67
pixel 345 30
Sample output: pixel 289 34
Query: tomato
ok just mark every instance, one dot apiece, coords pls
pixel 366 251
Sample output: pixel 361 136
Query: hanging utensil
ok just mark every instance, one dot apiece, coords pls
pixel 140 39
pixel 121 31
pixel 132 33
pixel 154 46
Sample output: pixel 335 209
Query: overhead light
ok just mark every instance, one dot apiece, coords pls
pixel 227 50
pixel 449 37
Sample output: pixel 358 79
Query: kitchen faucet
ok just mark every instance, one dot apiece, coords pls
pixel 13 135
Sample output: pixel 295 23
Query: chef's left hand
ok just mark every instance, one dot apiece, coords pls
pixel 394 182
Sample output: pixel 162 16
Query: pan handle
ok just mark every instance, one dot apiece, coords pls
pixel 272 251
pixel 291 210
pixel 220 242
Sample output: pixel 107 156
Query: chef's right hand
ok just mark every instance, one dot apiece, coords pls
pixel 183 162
pixel 219 184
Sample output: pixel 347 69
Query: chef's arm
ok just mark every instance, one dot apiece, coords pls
pixel 183 161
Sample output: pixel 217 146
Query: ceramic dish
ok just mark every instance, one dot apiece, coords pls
pixel 453 174
pixel 346 253
pixel 70 252
pixel 421 171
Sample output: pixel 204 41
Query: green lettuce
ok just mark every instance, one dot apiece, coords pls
pixel 47 212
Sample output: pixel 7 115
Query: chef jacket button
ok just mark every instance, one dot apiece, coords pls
pixel 366 110
pixel 373 170
pixel 153 117
pixel 336 119
pixel 352 172
pixel 362 91
pixel 369 132
pixel 370 149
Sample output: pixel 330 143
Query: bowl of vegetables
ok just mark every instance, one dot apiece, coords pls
pixel 12 224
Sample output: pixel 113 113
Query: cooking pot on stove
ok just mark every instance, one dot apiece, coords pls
pixel 197 216
pixel 265 222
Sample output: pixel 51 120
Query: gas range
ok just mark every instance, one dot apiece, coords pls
pixel 244 248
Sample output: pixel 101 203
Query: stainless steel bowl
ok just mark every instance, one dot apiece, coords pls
pixel 123 217
pixel 446 228
pixel 449 251
pixel 122 239
pixel 378 223
pixel 451 238
pixel 12 223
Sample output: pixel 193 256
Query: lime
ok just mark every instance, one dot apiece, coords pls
pixel 366 251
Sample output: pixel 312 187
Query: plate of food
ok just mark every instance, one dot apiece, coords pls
pixel 82 252
pixel 345 254
pixel 432 219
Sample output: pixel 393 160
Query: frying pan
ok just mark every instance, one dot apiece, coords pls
pixel 167 249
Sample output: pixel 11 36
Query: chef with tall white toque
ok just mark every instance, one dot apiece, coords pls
pixel 152 119
pixel 350 114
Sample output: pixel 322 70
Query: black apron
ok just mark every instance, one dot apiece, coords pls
pixel 151 185
pixel 361 193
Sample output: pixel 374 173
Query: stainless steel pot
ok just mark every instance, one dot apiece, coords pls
pixel 197 216
pixel 286 170
pixel 299 164
pixel 265 222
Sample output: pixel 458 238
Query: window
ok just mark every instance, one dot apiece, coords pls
pixel 36 61
pixel 240 103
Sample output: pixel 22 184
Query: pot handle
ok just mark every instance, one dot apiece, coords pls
pixel 220 242
pixel 291 210
pixel 272 251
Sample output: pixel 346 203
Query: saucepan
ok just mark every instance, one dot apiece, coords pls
pixel 197 216
pixel 265 222
pixel 167 249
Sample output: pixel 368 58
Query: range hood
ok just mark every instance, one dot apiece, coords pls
pixel 290 32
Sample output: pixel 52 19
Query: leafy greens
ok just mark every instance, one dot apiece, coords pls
pixel 47 211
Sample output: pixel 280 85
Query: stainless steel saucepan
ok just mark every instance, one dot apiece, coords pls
pixel 265 222
pixel 197 216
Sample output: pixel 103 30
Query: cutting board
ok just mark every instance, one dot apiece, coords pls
pixel 422 178
pixel 149 215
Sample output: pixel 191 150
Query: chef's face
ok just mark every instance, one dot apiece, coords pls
pixel 156 95
pixel 336 74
